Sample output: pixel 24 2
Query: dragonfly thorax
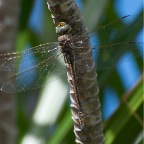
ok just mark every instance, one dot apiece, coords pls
pixel 63 30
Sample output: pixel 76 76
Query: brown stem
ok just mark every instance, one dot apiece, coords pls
pixel 85 103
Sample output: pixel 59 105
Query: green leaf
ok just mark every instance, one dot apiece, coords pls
pixel 63 128
pixel 126 123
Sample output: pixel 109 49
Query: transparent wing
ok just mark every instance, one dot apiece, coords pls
pixel 109 41
pixel 117 30
pixel 114 31
pixel 12 61
pixel 48 58
pixel 107 56
pixel 45 57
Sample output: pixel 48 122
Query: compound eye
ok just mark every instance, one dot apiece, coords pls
pixel 63 28
pixel 61 24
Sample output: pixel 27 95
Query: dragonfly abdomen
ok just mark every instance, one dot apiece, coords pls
pixel 83 87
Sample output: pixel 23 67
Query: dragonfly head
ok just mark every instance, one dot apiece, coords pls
pixel 63 28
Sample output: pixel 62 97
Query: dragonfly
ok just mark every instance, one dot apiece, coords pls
pixel 47 58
